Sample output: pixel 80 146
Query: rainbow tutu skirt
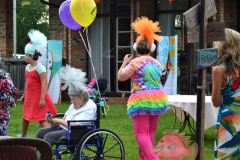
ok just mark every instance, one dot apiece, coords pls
pixel 149 102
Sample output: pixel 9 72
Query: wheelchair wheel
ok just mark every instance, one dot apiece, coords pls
pixel 100 144
pixel 66 153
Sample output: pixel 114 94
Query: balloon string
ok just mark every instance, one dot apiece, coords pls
pixel 89 46
pixel 83 41
pixel 90 55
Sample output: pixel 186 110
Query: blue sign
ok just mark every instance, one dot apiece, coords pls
pixel 207 57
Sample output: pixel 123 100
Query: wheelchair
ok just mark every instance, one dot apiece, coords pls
pixel 89 142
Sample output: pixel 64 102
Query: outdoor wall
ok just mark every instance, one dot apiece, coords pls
pixel 74 51
pixel 219 16
pixel 77 51
pixel 56 28
pixel 230 14
pixel 141 8
pixel 227 12
pixel 6 28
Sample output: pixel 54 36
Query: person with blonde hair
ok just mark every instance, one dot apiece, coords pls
pixel 226 94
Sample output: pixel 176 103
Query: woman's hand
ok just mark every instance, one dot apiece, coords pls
pixel 127 58
pixel 54 122
pixel 41 103
pixel 22 98
pixel 49 119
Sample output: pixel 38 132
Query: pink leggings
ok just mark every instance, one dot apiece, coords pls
pixel 144 130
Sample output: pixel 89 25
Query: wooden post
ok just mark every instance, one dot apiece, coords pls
pixel 201 81
pixel 196 20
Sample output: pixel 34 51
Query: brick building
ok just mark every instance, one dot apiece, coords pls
pixel 111 36
pixel 6 28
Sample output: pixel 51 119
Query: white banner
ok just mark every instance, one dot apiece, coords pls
pixel 43 58
pixel 164 49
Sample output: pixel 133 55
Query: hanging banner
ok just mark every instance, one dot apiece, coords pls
pixel 54 63
pixel 163 49
pixel 172 52
pixel 167 56
pixel 43 50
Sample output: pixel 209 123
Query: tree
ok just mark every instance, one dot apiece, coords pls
pixel 33 16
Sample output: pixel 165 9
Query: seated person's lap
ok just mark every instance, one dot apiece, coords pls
pixel 51 134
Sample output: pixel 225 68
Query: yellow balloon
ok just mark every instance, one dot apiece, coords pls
pixel 83 11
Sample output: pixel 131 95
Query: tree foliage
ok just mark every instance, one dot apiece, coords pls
pixel 33 16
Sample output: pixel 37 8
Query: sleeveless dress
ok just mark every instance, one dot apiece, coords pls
pixel 31 110
pixel 227 137
pixel 147 98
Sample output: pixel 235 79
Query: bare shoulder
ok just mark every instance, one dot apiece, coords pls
pixel 218 70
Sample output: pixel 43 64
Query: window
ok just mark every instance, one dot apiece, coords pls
pixel 110 42
pixel 100 45
pixel 123 45
pixel 182 57
pixel 172 23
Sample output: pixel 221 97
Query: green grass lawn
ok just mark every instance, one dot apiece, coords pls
pixel 117 121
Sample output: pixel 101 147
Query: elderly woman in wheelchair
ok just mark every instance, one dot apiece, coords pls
pixel 77 134
pixel 82 108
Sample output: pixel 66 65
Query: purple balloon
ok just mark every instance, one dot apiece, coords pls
pixel 66 17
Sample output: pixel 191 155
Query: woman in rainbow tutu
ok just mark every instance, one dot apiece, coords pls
pixel 147 100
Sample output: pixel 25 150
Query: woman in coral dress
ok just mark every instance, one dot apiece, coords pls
pixel 37 101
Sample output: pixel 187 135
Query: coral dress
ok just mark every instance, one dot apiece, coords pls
pixel 31 110
pixel 227 138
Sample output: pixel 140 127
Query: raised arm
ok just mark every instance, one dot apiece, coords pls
pixel 121 75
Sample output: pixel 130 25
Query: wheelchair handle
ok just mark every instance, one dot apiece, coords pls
pixel 59 115
pixel 82 121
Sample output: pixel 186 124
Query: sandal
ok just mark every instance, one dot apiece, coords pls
pixel 21 136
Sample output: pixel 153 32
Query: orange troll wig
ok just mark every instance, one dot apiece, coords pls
pixel 146 28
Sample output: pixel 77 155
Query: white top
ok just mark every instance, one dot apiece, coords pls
pixel 86 112
pixel 188 103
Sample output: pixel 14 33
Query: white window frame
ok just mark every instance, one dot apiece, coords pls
pixel 117 47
